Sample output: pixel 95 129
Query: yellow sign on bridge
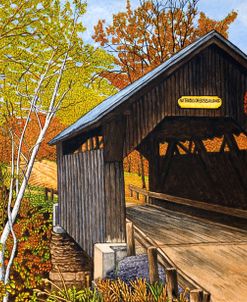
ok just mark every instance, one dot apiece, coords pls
pixel 200 102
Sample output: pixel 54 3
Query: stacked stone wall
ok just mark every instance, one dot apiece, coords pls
pixel 69 262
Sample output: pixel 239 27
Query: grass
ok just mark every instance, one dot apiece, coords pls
pixel 134 179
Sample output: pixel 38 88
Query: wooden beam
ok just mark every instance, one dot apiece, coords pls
pixel 130 239
pixel 167 160
pixel 196 295
pixel 231 142
pixel 192 203
pixel 185 149
pixel 153 264
pixel 172 283
pixel 113 133
pixel 222 147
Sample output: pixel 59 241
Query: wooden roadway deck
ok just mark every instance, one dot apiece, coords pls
pixel 212 254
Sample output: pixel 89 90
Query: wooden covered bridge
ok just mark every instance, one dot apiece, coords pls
pixel 196 95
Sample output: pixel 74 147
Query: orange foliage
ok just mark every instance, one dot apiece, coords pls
pixel 245 103
pixel 145 37
pixel 32 132
pixel 32 261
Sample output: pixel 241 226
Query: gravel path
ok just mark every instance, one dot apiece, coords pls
pixel 134 267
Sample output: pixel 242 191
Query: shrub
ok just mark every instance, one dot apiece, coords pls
pixel 32 261
pixel 110 291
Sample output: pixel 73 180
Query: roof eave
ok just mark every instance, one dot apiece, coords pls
pixel 211 38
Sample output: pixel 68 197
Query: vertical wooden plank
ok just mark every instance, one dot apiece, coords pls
pixel 150 112
pixel 127 137
pixel 68 169
pixel 169 95
pixel 130 239
pixel 142 118
pixel 117 204
pixel 138 123
pixel 218 72
pixel 113 219
pixel 154 108
pixel 133 130
pixel 182 86
pixel 100 201
pixel 172 283
pixel 186 88
pixel 162 99
pixel 206 297
pixel 67 225
pixel 199 80
pixel 130 129
pixel 147 112
pixel 196 295
pixel 153 264
pixel 84 225
pixel 114 186
pixel 79 197
pixel 159 104
pixel 122 202
pixel 165 98
pixel 87 224
pixel 94 226
pixel 222 87
pixel 73 193
pixel 191 63
pixel 173 95
pixel 102 195
pixel 107 199
pixel 60 180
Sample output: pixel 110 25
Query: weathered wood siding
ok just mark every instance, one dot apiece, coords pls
pixel 115 201
pixel 211 72
pixel 81 197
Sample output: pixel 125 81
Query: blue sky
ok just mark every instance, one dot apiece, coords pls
pixel 217 9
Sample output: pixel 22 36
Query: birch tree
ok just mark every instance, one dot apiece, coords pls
pixel 42 59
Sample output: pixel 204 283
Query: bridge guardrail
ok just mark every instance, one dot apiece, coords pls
pixel 156 255
pixel 187 202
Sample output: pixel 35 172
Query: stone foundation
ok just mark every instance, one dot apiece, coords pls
pixel 69 262
pixel 107 257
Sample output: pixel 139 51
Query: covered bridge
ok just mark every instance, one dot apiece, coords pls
pixel 196 95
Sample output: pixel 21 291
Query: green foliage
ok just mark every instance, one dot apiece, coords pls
pixel 156 290
pixel 67 294
pixel 33 33
pixel 35 195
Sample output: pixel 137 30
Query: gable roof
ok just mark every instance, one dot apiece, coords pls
pixel 100 111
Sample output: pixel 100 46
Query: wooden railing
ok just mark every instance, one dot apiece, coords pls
pixel 50 194
pixel 174 275
pixel 187 202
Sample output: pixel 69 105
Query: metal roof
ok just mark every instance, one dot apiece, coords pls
pixel 97 113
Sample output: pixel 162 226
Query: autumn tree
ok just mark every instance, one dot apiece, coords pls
pixel 29 30
pixel 145 37
pixel 44 66
pixel 45 151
